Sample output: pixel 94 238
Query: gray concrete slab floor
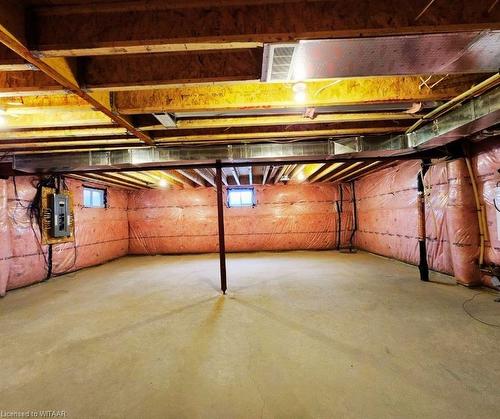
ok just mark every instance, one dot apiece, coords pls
pixel 299 335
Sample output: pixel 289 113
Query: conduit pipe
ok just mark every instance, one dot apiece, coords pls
pixel 479 209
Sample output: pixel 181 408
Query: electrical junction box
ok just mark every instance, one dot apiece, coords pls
pixel 60 215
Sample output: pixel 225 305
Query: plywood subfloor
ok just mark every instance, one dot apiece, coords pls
pixel 300 335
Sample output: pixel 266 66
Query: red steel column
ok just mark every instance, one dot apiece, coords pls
pixel 220 217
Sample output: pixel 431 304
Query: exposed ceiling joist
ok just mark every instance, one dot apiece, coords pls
pixel 357 170
pixel 150 71
pixel 325 170
pixel 62 71
pixel 265 174
pixel 122 27
pixel 235 176
pixel 91 179
pixel 207 176
pixel 345 169
pixel 193 176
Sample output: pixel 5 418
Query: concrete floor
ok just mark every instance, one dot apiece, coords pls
pixel 300 335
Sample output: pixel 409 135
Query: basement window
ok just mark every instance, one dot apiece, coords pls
pixel 94 198
pixel 240 197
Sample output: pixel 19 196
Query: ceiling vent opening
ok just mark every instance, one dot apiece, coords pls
pixel 278 62
pixel 166 119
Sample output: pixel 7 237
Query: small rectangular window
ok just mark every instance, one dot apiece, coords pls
pixel 240 197
pixel 94 198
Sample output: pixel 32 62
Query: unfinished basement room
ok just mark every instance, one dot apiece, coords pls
pixel 250 209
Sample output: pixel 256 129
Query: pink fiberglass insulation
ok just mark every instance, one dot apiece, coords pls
pixel 486 166
pixel 436 227
pixel 387 212
pixel 100 234
pixel 5 245
pixel 287 217
pixel 463 227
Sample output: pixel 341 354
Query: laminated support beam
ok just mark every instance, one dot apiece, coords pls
pixel 374 93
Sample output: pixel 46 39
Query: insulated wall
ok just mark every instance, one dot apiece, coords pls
pixel 387 211
pixel 100 234
pixel 285 217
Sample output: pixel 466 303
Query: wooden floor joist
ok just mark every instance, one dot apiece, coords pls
pixel 130 27
pixel 12 26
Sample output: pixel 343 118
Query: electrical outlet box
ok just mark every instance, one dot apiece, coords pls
pixel 60 214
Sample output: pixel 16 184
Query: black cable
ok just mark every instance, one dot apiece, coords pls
pixel 495 201
pixel 472 316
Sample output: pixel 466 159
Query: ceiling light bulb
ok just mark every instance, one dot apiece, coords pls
pixel 300 92
pixel 3 121
pixel 163 183
pixel 300 97
pixel 301 176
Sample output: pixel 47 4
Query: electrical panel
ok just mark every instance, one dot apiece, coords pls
pixel 60 223
pixel 56 215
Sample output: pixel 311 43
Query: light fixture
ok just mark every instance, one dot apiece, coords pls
pixel 163 183
pixel 3 121
pixel 301 176
pixel 300 92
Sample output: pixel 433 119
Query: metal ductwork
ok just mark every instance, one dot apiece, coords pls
pixel 466 119
pixel 459 121
pixel 231 155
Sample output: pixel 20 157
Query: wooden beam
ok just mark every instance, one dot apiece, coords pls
pixel 128 26
pixel 197 139
pixel 55 119
pixel 12 20
pixel 347 168
pixel 23 83
pixel 326 169
pixel 10 61
pixel 286 120
pixel 235 176
pixel 372 169
pixel 85 178
pixel 206 176
pixel 311 169
pixel 280 174
pixel 265 174
pixel 265 96
pixel 349 173
pixel 106 177
pixel 13 145
pixel 178 178
pixel 191 176
pixel 130 72
pixel 65 134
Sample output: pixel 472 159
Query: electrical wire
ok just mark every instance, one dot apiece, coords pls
pixel 33 213
pixel 464 306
